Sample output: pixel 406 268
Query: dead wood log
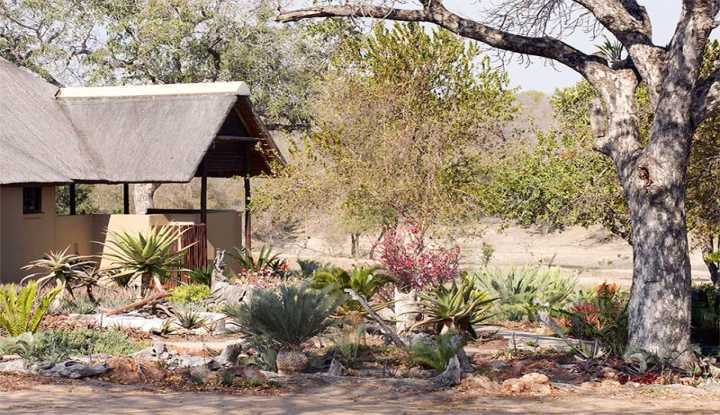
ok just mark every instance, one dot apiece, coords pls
pixel 159 293
pixel 389 333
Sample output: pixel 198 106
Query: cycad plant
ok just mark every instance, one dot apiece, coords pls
pixel 457 307
pixel 288 317
pixel 59 268
pixel 366 281
pixel 437 354
pixel 21 311
pixel 148 257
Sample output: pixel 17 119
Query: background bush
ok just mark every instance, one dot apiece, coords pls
pixel 520 291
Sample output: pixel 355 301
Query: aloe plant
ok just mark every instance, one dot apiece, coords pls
pixel 265 260
pixel 147 257
pixel 59 268
pixel 457 307
pixel 21 311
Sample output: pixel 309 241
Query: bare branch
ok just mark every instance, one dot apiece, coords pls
pixel 434 12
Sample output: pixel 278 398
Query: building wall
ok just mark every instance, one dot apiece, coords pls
pixel 24 238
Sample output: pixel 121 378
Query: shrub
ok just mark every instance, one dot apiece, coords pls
pixel 286 318
pixel 201 275
pixel 145 256
pixel 309 266
pixel 56 345
pixel 266 263
pixel 58 268
pixel 706 316
pixel 437 354
pixel 457 307
pixel 191 293
pixel 520 291
pixel 413 264
pixel 366 281
pixel 21 311
pixel 78 305
pixel 188 318
pixel 602 316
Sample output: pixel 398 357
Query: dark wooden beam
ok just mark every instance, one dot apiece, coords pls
pixel 126 198
pixel 203 191
pixel 72 191
pixel 236 139
pixel 248 219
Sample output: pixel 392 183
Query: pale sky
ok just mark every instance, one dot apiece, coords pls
pixel 542 77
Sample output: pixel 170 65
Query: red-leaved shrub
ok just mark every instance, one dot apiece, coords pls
pixel 415 265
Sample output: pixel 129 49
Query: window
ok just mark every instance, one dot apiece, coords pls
pixel 32 200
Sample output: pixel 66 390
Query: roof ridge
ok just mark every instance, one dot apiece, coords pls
pixel 198 88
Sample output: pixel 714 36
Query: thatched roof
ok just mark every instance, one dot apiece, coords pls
pixel 155 133
pixel 38 143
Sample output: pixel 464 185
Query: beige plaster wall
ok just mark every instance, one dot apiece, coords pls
pixel 24 238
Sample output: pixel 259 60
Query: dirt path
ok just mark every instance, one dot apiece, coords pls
pixel 344 397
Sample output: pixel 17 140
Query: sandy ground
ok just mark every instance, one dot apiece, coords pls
pixel 342 397
pixel 592 254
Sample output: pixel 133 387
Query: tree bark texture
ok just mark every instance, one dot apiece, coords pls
pixel 143 197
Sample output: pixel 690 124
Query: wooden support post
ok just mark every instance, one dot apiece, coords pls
pixel 248 222
pixel 203 192
pixel 72 191
pixel 126 198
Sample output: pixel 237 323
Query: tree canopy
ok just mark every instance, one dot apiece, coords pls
pixel 398 118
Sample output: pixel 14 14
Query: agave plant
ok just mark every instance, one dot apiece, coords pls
pixel 201 275
pixel 148 257
pixel 59 268
pixel 457 307
pixel 188 318
pixel 522 291
pixel 287 318
pixel 21 311
pixel 265 261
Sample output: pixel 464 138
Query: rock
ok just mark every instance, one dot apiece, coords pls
pixel 531 383
pixel 199 375
pixel 158 348
pixel 609 373
pixel 14 366
pixel 481 382
pixel 74 370
pixel 497 365
pixel 126 370
pixel 452 374
pixel 416 372
pixel 711 386
pixel 418 338
pixel 289 362
pixel 230 354
pixel 253 375
pixel 188 361
pixel 336 368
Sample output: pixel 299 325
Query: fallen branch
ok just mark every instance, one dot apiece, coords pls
pixel 389 333
pixel 158 295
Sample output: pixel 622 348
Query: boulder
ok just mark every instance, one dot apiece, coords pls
pixel 73 369
pixel 14 366
pixel 531 383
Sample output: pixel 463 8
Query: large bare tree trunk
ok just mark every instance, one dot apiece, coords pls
pixel 659 308
pixel 143 194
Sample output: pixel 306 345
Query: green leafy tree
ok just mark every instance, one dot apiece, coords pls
pixel 397 117
pixel 563 181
